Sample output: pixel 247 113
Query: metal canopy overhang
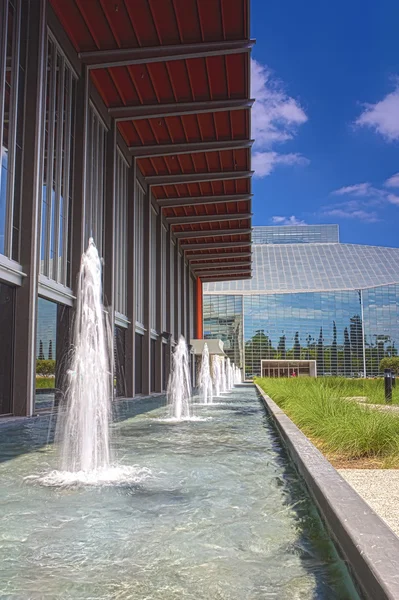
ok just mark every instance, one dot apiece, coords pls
pixel 135 113
pixel 101 59
pixel 176 79
pixel 217 245
pixel 188 148
pixel 202 200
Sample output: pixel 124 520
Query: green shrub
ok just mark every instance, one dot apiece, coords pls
pixel 45 382
pixel 320 407
pixel 390 363
pixel 45 367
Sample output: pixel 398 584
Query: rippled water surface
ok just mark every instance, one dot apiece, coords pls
pixel 216 515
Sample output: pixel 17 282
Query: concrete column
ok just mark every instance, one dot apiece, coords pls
pixel 24 375
pixel 160 292
pixel 109 234
pixel 146 358
pixel 131 304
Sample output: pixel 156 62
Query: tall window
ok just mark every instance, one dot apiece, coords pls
pixel 153 263
pixel 13 26
pixel 139 253
pixel 57 165
pixel 172 288
pixel 191 295
pixel 122 173
pixel 163 277
pixel 95 178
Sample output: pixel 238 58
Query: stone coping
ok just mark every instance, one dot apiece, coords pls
pixel 367 544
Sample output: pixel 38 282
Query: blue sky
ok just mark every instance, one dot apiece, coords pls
pixel 326 121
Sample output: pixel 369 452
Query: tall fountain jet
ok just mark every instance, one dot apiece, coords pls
pixel 223 375
pixel 205 380
pixel 83 423
pixel 216 374
pixel 179 384
pixel 229 383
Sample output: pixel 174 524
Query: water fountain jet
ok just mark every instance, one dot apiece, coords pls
pixel 205 380
pixel 83 423
pixel 216 374
pixel 179 384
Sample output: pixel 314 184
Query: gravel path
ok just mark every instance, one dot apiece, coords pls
pixel 380 489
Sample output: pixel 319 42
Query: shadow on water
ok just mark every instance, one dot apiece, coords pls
pixel 29 435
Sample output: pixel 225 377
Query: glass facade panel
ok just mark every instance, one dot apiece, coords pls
pixel 95 174
pixel 295 234
pixel 154 271
pixel 381 324
pixel 172 288
pixel 121 198
pixel 326 327
pixel 139 253
pixel 57 166
pixel 314 267
pixel 343 331
pixel 13 30
pixel 223 320
pixel 46 352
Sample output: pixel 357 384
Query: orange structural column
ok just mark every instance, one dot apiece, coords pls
pixel 200 329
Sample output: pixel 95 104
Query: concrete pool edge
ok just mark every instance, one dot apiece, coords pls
pixel 367 544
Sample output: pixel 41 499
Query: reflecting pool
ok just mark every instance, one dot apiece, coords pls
pixel 215 513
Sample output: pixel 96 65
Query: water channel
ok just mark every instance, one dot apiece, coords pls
pixel 214 512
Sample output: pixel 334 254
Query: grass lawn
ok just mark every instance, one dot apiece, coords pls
pixel 45 382
pixel 348 434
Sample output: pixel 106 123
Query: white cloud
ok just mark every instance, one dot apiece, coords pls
pixel 275 118
pixel 359 189
pixel 263 163
pixel 292 220
pixel 383 116
pixel 348 212
pixel 363 200
pixel 393 199
pixel 393 181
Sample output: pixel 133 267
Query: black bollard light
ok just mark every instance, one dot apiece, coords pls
pixel 388 385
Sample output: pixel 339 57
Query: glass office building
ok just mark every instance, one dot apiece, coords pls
pixel 310 298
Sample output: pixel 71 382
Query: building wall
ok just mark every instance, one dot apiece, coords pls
pixel 342 330
pixel 67 175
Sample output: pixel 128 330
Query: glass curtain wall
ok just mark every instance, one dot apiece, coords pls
pixel 223 319
pixel 164 266
pixel 322 326
pixel 381 325
pixel 121 235
pixel 57 166
pixel 95 179
pixel 172 289
pixel 328 327
pixel 139 254
pixel 13 33
pixel 154 272
pixel 46 352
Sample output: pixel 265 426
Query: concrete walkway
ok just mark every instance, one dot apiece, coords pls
pixel 380 489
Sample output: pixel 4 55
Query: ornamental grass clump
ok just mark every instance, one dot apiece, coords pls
pixel 325 411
